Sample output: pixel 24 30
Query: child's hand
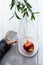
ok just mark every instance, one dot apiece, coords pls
pixel 9 42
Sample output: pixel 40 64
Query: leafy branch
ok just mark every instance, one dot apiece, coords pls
pixel 23 8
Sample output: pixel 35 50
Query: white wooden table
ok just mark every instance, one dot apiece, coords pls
pixel 4 27
pixel 13 57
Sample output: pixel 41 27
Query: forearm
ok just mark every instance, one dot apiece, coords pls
pixel 4 47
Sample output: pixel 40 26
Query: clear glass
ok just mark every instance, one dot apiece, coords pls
pixel 27 29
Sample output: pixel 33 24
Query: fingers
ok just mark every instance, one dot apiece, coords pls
pixel 12 42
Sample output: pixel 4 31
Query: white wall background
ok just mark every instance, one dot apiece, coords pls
pixel 6 25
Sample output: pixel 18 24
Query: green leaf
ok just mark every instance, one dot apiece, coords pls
pixel 36 12
pixel 24 10
pixel 30 10
pixel 32 17
pixel 28 5
pixel 19 7
pixel 23 6
pixel 25 14
pixel 11 17
pixel 12 4
pixel 17 16
pixel 19 3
